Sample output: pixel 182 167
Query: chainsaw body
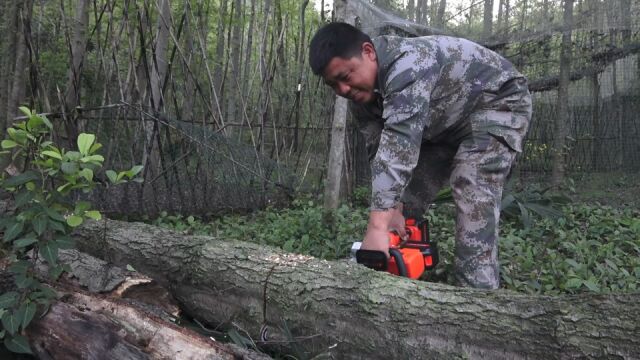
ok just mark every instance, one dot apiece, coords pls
pixel 408 258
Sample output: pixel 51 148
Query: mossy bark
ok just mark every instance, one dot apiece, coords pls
pixel 312 307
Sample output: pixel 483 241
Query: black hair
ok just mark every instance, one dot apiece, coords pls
pixel 335 40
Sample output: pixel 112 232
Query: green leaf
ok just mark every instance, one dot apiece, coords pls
pixel 18 344
pixel 56 271
pixel 591 285
pixel 112 176
pixel 34 121
pixel 40 223
pixel 25 110
pixel 24 242
pixel 13 231
pixel 92 158
pixel 8 144
pixel 21 179
pixel 84 143
pixel 8 299
pixel 11 322
pixel 87 174
pixel 82 206
pixel 20 267
pixel 46 121
pixel 134 171
pixel 54 214
pixel 573 283
pixel 95 147
pixel 57 226
pixel 69 167
pixel 49 252
pixel 93 214
pixel 27 311
pixel 23 281
pixel 53 154
pixel 24 198
pixel 130 268
pixel 74 220
pixel 65 242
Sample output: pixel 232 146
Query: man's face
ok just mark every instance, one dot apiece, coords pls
pixel 354 78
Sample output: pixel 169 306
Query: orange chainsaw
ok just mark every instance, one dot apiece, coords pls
pixel 410 257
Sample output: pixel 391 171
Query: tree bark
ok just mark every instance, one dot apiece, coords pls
pixel 129 321
pixel 77 47
pixel 18 86
pixel 347 311
pixel 487 23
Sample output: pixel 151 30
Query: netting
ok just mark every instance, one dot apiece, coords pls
pixel 602 128
pixel 217 100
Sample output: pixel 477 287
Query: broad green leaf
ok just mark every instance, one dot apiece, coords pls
pixel 134 171
pixel 8 144
pixel 53 154
pixel 49 252
pixel 82 206
pixel 25 110
pixel 34 121
pixel 93 214
pixel 11 322
pixel 74 220
pixel 84 143
pixel 65 242
pixel 591 285
pixel 20 267
pixel 25 241
pixel 55 271
pixel 92 158
pixel 69 167
pixel 57 226
pixel 573 283
pixel 112 176
pixel 13 231
pixel 87 174
pixel 95 147
pixel 573 263
pixel 54 214
pixel 8 299
pixel 46 121
pixel 18 344
pixel 23 281
pixel 40 223
pixel 24 198
pixel 27 311
pixel 22 179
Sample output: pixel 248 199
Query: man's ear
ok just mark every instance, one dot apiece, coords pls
pixel 369 51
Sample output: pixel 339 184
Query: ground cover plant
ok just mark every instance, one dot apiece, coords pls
pixel 581 248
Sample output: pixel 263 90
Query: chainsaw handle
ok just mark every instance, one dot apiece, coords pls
pixel 397 255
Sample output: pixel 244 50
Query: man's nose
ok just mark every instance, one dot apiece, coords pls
pixel 342 89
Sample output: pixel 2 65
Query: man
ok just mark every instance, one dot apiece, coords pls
pixel 433 109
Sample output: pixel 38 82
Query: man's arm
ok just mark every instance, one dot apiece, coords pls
pixel 406 104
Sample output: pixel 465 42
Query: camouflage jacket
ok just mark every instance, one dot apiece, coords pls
pixel 426 88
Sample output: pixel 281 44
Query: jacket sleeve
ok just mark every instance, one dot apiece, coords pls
pixel 407 89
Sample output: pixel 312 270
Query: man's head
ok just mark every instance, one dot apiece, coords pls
pixel 346 59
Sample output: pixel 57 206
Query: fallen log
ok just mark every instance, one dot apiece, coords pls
pixel 346 311
pixel 118 324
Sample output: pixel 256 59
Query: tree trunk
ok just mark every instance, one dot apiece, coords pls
pixel 78 49
pixel 335 165
pixel 133 319
pixel 440 16
pixel 559 150
pixel 17 93
pixel 347 311
pixel 487 23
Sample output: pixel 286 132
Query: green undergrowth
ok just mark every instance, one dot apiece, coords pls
pixel 588 248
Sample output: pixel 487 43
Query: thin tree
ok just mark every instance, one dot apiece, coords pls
pixel 560 134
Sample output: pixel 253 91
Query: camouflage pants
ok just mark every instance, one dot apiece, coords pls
pixel 476 169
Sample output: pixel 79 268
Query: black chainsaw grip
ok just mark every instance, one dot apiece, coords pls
pixel 397 255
